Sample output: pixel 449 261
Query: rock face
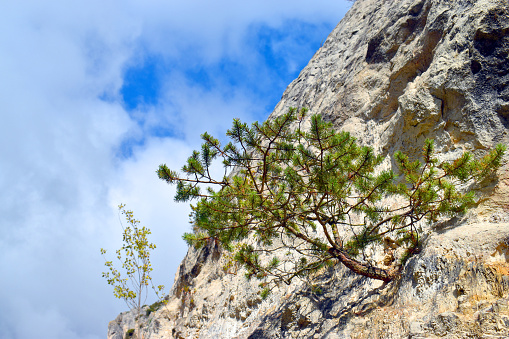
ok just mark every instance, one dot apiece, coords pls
pixel 393 73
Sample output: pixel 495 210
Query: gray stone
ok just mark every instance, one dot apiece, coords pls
pixel 416 327
pixel 444 323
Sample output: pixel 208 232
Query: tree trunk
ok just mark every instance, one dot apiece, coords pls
pixel 137 329
pixel 369 271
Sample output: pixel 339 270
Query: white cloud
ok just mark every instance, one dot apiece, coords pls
pixel 215 29
pixel 138 186
pixel 60 176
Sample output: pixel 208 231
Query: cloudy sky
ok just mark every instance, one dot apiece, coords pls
pixel 94 95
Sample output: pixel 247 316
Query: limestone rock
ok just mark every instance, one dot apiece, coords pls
pixel 393 73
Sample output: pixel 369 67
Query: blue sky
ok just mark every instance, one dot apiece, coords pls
pixel 95 95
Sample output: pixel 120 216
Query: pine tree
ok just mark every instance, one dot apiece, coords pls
pixel 319 195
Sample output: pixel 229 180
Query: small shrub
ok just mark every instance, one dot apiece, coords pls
pixel 315 289
pixel 154 307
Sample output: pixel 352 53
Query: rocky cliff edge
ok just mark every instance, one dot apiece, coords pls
pixel 393 73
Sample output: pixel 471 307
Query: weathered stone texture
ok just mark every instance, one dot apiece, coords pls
pixel 393 73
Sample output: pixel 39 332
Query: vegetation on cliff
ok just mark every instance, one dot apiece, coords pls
pixel 132 282
pixel 320 196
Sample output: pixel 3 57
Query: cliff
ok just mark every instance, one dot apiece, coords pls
pixel 393 73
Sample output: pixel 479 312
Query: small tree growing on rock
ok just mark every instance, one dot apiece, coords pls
pixel 319 195
pixel 135 258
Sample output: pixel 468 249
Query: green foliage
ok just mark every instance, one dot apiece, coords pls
pixel 316 289
pixel 132 286
pixel 317 194
pixel 265 293
pixel 155 306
